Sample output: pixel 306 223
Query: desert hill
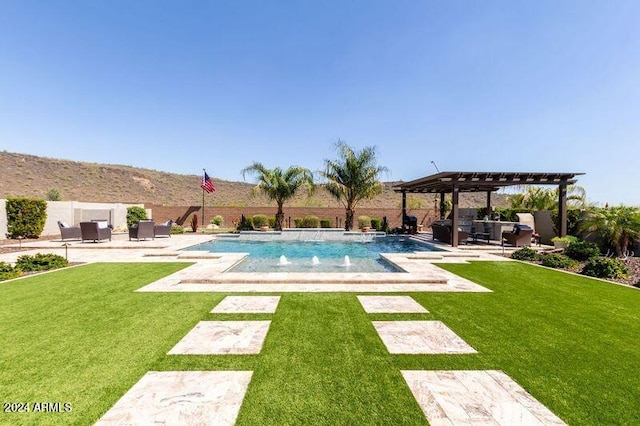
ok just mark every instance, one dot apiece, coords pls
pixel 32 176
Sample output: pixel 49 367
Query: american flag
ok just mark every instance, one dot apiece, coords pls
pixel 207 184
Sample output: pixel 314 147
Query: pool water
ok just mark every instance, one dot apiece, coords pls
pixel 265 256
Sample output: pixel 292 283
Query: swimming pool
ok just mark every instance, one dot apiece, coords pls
pixel 313 256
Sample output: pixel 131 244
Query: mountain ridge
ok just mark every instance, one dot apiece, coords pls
pixel 26 175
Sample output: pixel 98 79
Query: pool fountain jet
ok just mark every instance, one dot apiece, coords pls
pixel 347 262
pixel 315 260
pixel 283 261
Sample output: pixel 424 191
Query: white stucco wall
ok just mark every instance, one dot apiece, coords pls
pixel 3 219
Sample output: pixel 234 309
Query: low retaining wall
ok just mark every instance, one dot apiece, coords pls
pixel 308 234
pixel 183 214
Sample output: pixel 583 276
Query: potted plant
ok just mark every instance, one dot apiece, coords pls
pixel 563 242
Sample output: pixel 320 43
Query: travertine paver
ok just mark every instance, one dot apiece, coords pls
pixel 247 305
pixel 390 305
pixel 420 337
pixel 476 397
pixel 222 338
pixel 181 398
pixel 169 284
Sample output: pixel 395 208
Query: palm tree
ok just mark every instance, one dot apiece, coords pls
pixel 619 227
pixel 279 185
pixel 352 178
pixel 538 198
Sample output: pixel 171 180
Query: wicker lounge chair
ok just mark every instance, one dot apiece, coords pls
pixel 69 232
pixel 164 229
pixel 142 230
pixel 93 231
pixel 518 237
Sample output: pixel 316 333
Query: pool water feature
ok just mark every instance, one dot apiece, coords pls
pixel 313 256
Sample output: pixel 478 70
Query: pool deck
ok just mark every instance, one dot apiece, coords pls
pixel 208 270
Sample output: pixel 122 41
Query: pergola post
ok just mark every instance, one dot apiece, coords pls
pixel 489 203
pixel 454 214
pixel 562 209
pixel 442 212
pixel 404 208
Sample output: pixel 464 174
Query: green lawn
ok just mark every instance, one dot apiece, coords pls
pixel 83 336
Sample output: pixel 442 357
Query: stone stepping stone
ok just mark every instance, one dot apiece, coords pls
pixel 476 397
pixel 223 338
pixel 181 398
pixel 390 305
pixel 420 337
pixel 247 305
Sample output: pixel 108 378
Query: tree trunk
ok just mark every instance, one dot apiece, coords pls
pixel 279 219
pixel 348 222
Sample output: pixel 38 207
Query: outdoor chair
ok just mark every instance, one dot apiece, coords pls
pixel 164 229
pixel 142 230
pixel 443 233
pixel 69 232
pixel 94 231
pixel 520 236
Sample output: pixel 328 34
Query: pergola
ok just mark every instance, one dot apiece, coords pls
pixel 456 182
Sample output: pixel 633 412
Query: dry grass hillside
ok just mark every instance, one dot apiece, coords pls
pixel 31 176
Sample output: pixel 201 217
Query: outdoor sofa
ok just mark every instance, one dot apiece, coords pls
pixel 69 232
pixel 95 231
pixel 443 233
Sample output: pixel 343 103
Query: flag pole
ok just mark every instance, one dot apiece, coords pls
pixel 202 219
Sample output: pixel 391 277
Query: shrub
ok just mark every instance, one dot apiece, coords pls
pixel 217 220
pixel 40 262
pixel 135 214
pixel 272 221
pixel 53 195
pixel 364 222
pixel 376 223
pixel 311 221
pixel 8 272
pixel 298 222
pixel 567 239
pixel 605 267
pixel 525 253
pixel 325 223
pixel 246 223
pixel 260 220
pixel 582 250
pixel 177 229
pixel 25 217
pixel 557 260
pixel 194 222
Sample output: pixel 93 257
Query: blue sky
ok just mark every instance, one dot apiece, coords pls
pixel 181 86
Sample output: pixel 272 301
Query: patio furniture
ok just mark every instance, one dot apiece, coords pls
pixel 69 232
pixel 520 236
pixel 142 230
pixel 529 220
pixel 482 231
pixel 443 233
pixel 164 229
pixel 94 231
